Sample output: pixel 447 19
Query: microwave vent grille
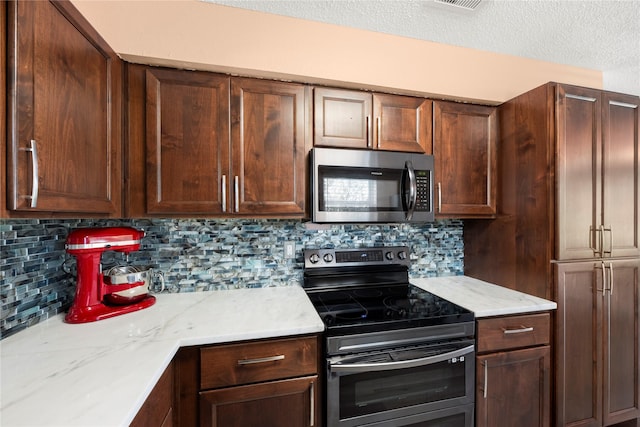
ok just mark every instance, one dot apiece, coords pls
pixel 461 4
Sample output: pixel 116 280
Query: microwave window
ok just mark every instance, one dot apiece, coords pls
pixel 344 189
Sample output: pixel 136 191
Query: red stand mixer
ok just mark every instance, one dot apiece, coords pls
pixel 100 296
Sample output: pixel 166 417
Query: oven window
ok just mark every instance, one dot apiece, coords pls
pixel 371 392
pixel 346 189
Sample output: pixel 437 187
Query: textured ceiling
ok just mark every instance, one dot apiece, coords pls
pixel 601 35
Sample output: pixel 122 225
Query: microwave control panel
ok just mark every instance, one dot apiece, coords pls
pixel 423 184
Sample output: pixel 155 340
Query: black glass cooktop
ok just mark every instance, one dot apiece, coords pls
pixel 384 307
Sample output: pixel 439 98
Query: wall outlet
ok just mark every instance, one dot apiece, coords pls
pixel 289 250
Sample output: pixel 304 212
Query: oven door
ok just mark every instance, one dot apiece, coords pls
pixel 403 387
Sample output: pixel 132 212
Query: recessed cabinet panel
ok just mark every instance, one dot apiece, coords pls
pixel 187 141
pixel 64 147
pixel 268 147
pixel 342 118
pixel 402 123
pixel 464 148
pixel 578 164
pixel 620 179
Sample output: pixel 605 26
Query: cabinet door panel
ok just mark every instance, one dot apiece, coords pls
pixel 464 147
pixel 579 344
pixel 515 388
pixel 620 178
pixel 268 147
pixel 187 141
pixel 290 403
pixel 66 97
pixel 402 123
pixel 342 118
pixel 622 353
pixel 579 144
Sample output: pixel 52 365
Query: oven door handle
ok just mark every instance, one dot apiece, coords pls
pixel 403 364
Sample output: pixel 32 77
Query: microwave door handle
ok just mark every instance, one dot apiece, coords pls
pixel 413 189
pixel 387 366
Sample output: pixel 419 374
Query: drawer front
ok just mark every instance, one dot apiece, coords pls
pixel 503 333
pixel 235 364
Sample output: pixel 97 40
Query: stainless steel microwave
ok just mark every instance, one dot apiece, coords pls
pixel 350 186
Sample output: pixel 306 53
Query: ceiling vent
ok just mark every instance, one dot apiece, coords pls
pixel 460 4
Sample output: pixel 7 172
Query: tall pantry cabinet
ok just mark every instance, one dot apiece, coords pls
pixel 567 229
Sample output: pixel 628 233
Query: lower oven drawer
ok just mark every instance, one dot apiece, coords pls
pixel 460 416
pixel 381 388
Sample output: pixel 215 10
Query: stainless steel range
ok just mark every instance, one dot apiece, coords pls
pixel 396 355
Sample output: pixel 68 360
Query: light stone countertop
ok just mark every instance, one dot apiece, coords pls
pixel 483 298
pixel 100 373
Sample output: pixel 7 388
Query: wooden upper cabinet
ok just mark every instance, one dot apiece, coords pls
pixel 402 123
pixel 464 148
pixel 355 119
pixel 64 113
pixel 598 184
pixel 268 147
pixel 207 144
pixel 187 141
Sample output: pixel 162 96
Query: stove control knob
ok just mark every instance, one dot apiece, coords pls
pixel 402 255
pixel 314 258
pixel 389 256
pixel 327 257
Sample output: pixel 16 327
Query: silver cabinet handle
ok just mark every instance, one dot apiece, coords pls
pixel 486 378
pixel 604 230
pixel 610 278
pixel 312 406
pixel 224 193
pixel 35 185
pixel 604 280
pixel 368 130
pixel 379 126
pixel 236 187
pixel 439 197
pixel 244 362
pixel 522 329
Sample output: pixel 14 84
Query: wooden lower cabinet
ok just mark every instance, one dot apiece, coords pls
pixel 513 371
pixel 598 346
pixel 270 383
pixel 157 410
pixel 289 403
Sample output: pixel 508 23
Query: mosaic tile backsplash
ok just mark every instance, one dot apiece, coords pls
pixel 37 277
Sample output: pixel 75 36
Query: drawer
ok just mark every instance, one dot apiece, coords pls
pixel 502 333
pixel 234 364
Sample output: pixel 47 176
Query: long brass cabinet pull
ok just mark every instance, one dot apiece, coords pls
pixel 224 193
pixel 439 197
pixel 522 329
pixel 244 362
pixel 35 185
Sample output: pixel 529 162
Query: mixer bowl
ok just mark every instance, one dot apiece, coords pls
pixel 128 274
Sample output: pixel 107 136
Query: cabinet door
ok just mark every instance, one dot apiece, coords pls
pixel 464 147
pixel 285 403
pixel 578 145
pixel 342 118
pixel 579 344
pixel 269 147
pixel 621 365
pixel 187 141
pixel 157 410
pixel 514 388
pixel 620 176
pixel 402 123
pixel 64 148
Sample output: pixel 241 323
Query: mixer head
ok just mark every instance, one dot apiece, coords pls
pixel 87 240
